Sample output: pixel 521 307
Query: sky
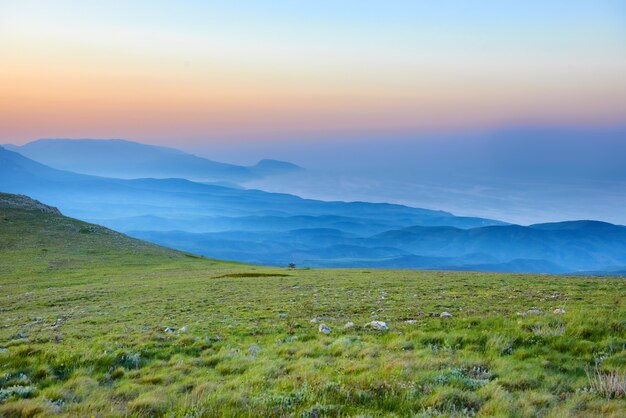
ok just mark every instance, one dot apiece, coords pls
pixel 196 73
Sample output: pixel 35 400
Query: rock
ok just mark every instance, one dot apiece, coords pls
pixel 411 321
pixel 4 350
pixel 324 329
pixel 283 315
pixel 19 336
pixel 314 321
pixel 168 329
pixel 378 325
pixel 254 350
pixel 445 315
pixel 183 329
pixel 348 325
pixel 533 311
pixel 559 311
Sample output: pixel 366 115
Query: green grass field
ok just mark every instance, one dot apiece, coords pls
pixel 93 323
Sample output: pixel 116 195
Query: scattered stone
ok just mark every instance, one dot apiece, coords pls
pixel 254 350
pixel 169 329
pixel 314 321
pixel 19 336
pixel 411 321
pixel 4 350
pixel 183 329
pixel 324 329
pixel 58 323
pixel 283 315
pixel 349 325
pixel 378 325
pixel 534 311
pixel 445 315
pixel 559 311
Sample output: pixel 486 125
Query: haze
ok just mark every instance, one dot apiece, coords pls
pixel 512 110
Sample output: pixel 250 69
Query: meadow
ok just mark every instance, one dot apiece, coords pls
pixel 93 323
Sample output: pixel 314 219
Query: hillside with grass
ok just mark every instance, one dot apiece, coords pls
pixel 94 323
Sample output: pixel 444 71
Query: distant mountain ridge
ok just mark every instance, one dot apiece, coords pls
pixel 120 158
pixel 73 191
pixel 276 229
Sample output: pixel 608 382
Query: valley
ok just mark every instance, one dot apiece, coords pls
pixel 257 227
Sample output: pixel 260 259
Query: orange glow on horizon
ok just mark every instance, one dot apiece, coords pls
pixel 68 77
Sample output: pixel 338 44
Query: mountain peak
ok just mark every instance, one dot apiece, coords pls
pixel 270 167
pixel 121 158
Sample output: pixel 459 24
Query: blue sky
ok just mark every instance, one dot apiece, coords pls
pixel 202 72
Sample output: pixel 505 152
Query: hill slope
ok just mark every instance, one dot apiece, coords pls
pixel 126 159
pixel 35 236
pixel 93 323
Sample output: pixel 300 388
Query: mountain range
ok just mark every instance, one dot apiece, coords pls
pixel 270 228
pixel 126 159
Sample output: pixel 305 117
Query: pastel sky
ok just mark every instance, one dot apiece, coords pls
pixel 202 71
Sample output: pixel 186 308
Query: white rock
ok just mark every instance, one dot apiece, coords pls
pixel 183 329
pixel 378 325
pixel 445 315
pixel 348 325
pixel 324 329
pixel 559 311
pixel 411 321
pixel 533 311
pixel 254 350
pixel 314 321
pixel 168 329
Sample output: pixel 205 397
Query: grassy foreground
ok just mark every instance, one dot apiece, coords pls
pixel 93 323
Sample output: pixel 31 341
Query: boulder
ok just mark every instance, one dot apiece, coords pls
pixel 324 329
pixel 378 325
